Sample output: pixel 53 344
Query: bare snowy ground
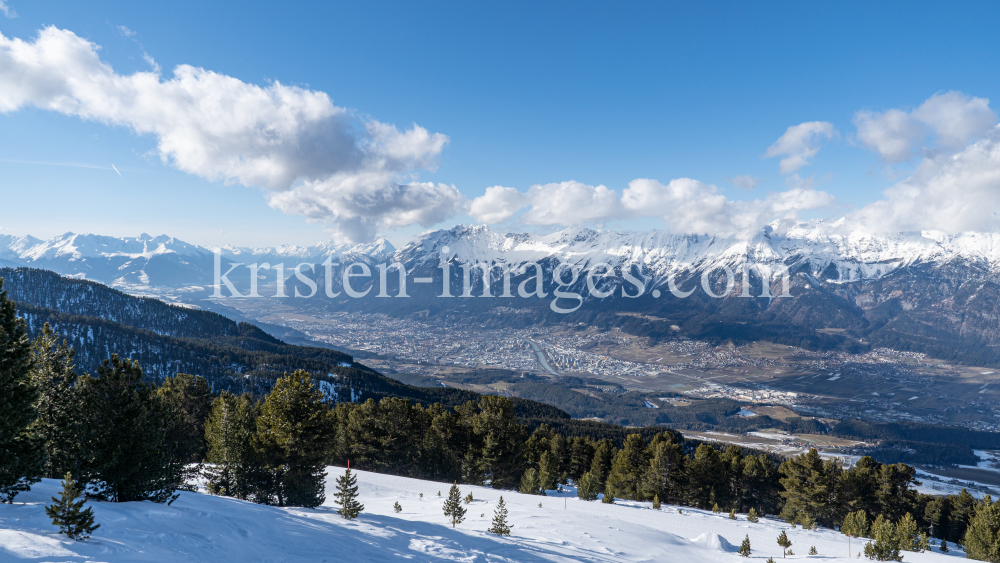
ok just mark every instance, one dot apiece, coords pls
pixel 200 527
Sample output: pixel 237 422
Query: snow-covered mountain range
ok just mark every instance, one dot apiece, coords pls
pixel 168 262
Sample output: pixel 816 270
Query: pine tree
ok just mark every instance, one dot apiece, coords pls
pixel 944 546
pixel 752 515
pixel 589 486
pixel 885 541
pixel 609 497
pixel 468 498
pixel 67 512
pixel 906 531
pixel 982 537
pixel 716 509
pixel 784 543
pixel 812 550
pixel 295 436
pixel 133 437
pixel 396 507
pixel 22 455
pixel 855 524
pixel 548 471
pixel 770 560
pixel 656 502
pixel 60 422
pixel 238 468
pixel 628 470
pixel 530 484
pixel 453 506
pixel 732 514
pixel 745 547
pixel 347 496
pixel 500 526
pixel 191 398
pixel 502 438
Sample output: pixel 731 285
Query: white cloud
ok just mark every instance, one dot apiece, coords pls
pixel 744 182
pixel 6 10
pixel 571 203
pixel 126 31
pixel 952 193
pixel 799 143
pixel 497 205
pixel 313 158
pixel 952 118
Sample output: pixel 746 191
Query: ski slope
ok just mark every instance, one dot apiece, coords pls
pixel 201 527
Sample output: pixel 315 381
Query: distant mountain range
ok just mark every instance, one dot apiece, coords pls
pixel 927 292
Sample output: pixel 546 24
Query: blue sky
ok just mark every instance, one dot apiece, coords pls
pixel 526 93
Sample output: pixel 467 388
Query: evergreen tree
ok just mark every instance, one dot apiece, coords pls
pixel 453 506
pixel 134 439
pixel 468 498
pixel 60 421
pixel 665 477
pixel 784 543
pixel 656 502
pixel 396 507
pixel 589 486
pixel 502 438
pixel 809 485
pixel 628 470
pixel 68 513
pixel 22 455
pixel 752 516
pixel 191 399
pixel 238 468
pixel 347 496
pixel 855 524
pixel 295 435
pixel 707 477
pixel 530 484
pixel 609 497
pixel 982 538
pixel 745 547
pixel 500 526
pixel 884 545
pixel 812 550
pixel 600 467
pixel 944 546
pixel 906 531
pixel 716 509
pixel 548 471
pixel 732 514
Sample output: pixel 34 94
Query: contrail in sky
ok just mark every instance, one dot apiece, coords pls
pixel 119 173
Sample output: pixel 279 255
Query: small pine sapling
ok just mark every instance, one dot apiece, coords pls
pixel 500 526
pixel 784 543
pixel 812 550
pixel 421 496
pixel 732 514
pixel 656 502
pixel 453 506
pixel 468 498
pixel 745 547
pixel 944 546
pixel 67 512
pixel 539 505
pixel 396 507
pixel 770 560
pixel 680 511
pixel 716 509
pixel 752 515
pixel 439 493
pixel 347 496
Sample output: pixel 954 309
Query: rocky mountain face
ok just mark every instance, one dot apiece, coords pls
pixel 915 291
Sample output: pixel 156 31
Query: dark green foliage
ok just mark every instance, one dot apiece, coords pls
pixel 238 468
pixel 396 507
pixel 191 398
pixel 855 524
pixel 588 488
pixel 810 484
pixel 812 550
pixel 944 546
pixel 752 516
pixel 628 469
pixel 656 502
pixel 982 539
pixel 745 547
pixel 453 506
pixel 732 514
pixel 502 439
pixel 295 436
pixel 347 496
pixel 134 439
pixel 68 513
pixel 784 543
pixel 21 454
pixel 60 423
pixel 500 526
pixel 885 541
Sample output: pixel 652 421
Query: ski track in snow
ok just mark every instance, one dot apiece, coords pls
pixel 200 527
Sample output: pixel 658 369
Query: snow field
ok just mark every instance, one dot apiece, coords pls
pixel 201 527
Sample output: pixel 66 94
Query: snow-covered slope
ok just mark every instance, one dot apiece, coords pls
pixel 200 527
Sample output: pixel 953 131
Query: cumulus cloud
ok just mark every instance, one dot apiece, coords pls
pixel 571 203
pixel 799 143
pixel 310 156
pixel 497 205
pixel 952 119
pixel 952 193
pixel 6 10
